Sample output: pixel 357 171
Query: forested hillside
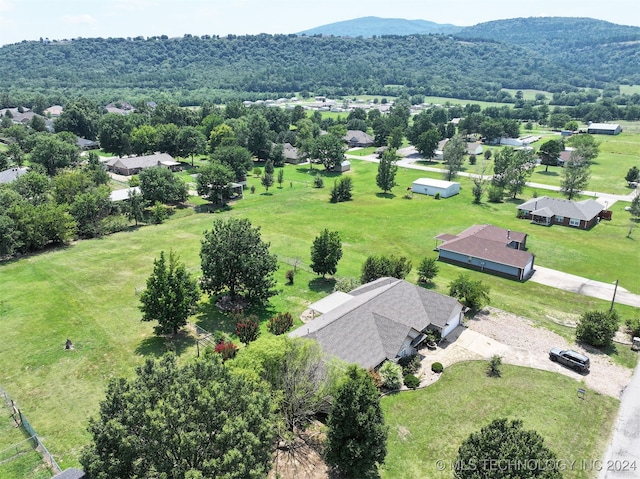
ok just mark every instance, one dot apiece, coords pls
pixel 376 26
pixel 552 54
pixel 608 52
pixel 193 69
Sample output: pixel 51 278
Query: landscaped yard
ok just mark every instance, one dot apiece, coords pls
pixel 427 426
pixel 87 291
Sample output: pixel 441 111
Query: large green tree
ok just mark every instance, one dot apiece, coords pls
pixel 214 182
pixel 473 293
pixel 387 169
pixel 549 153
pixel 193 421
pixel 453 156
pixel 236 261
pixel 160 184
pixel 585 146
pixel 504 450
pixel 54 153
pixel 511 170
pixel 171 296
pixel 326 251
pixel 329 150
pixel 235 157
pixel 575 175
pixel 379 266
pixel 356 432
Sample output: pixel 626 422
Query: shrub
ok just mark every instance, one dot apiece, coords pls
pixel 253 189
pixel 427 270
pixel 597 328
pixel 318 182
pixel 159 213
pixel 247 329
pixel 341 190
pixel 437 368
pixel 493 368
pixel 411 381
pixel 257 172
pixel 437 196
pixel 391 375
pixel 495 194
pixel 227 350
pixel 375 377
pixel 280 323
pixel 633 326
pixel 472 159
pixel 290 274
pixel 345 284
pixel 410 364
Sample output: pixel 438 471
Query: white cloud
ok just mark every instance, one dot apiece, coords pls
pixel 6 6
pixel 84 19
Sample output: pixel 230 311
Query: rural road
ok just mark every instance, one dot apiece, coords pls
pixel 622 459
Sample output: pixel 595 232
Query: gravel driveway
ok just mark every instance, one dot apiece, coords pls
pixel 523 344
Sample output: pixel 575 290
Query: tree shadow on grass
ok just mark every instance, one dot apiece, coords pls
pixel 156 346
pixel 548 173
pixel 213 319
pixel 211 208
pixel 388 196
pixel 322 285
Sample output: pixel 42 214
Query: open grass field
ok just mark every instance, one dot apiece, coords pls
pixel 87 291
pixel 428 425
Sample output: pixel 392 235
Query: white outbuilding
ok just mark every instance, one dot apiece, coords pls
pixel 430 186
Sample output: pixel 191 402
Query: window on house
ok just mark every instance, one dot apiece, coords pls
pixel 559 219
pixel 574 222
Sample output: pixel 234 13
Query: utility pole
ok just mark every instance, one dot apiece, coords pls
pixel 614 296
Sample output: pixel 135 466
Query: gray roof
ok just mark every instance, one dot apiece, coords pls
pixel 583 210
pixel 71 473
pixel 373 325
pixel 146 161
pixel 12 174
pixel 358 136
pixel 123 194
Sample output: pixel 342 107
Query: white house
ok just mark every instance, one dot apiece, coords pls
pixel 430 186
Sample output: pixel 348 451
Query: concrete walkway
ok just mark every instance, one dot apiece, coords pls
pixel 622 459
pixel 585 286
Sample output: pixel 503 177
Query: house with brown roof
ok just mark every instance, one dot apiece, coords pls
pixel 488 248
pixel 383 320
pixel 132 165
pixel 548 211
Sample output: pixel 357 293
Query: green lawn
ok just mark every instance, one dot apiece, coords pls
pixel 428 425
pixel 87 291
pixel 18 458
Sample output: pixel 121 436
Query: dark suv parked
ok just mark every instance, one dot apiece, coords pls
pixel 570 358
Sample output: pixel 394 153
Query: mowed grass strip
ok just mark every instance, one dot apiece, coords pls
pixel 87 291
pixel 429 425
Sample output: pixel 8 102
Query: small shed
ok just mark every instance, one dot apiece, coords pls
pixel 342 166
pixel 430 186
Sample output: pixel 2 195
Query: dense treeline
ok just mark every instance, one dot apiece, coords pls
pixel 191 70
pixel 605 51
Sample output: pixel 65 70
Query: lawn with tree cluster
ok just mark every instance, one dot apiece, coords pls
pixel 89 291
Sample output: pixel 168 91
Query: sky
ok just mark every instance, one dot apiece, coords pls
pixel 64 19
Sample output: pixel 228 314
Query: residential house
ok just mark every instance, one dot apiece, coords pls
pixel 292 155
pixel 133 165
pixel 549 211
pixel 12 174
pixel 85 144
pixel 121 108
pixel 474 148
pixel 488 248
pixel 123 194
pixel 54 111
pixel 433 187
pixel 382 320
pixel 358 139
pixel 604 129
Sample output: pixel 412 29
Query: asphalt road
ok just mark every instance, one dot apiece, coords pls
pixel 622 460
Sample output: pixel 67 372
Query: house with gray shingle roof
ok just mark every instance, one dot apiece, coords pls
pixel 132 165
pixel 381 320
pixel 559 211
pixel 12 174
pixel 490 249
pixel 358 138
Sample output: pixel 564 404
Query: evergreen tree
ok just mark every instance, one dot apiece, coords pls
pixel 387 170
pixel 171 295
pixel 326 251
pixel 267 181
pixel 357 434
